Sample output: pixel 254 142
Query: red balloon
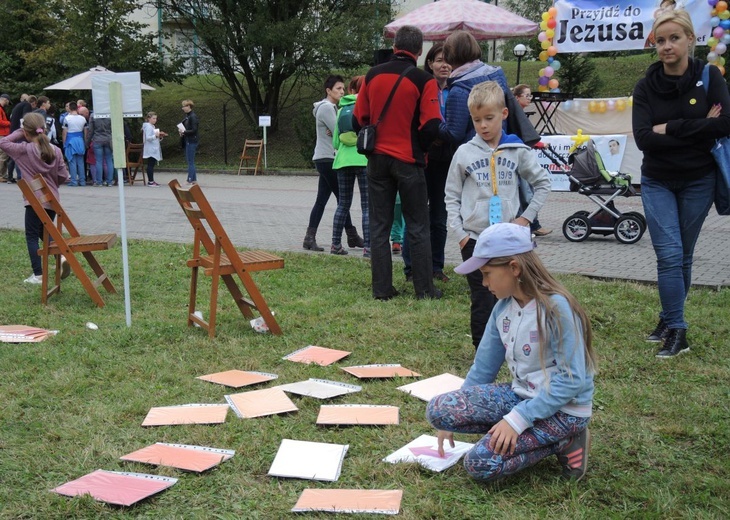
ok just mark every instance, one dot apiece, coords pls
pixel 551 23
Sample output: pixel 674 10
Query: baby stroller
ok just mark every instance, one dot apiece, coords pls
pixel 589 177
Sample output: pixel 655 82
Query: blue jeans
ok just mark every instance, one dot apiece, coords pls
pixel 76 170
pixel 675 212
pixel 190 149
pixel 103 154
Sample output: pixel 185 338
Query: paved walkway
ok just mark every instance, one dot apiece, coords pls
pixel 271 212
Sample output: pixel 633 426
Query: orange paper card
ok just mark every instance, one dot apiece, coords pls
pixel 372 371
pixel 186 414
pixel 354 414
pixel 238 378
pixel 318 355
pixel 181 456
pixel 257 403
pixel 427 389
pixel 383 501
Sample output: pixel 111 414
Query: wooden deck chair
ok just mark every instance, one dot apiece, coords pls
pixel 36 192
pixel 252 151
pixel 135 163
pixel 214 252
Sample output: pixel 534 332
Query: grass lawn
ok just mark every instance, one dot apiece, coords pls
pixel 74 403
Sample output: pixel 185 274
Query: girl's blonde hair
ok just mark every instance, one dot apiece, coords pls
pixel 35 126
pixel 150 115
pixel 538 284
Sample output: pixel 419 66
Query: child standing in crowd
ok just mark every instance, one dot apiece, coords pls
pixel 31 150
pixel 482 187
pixel 152 151
pixel 544 335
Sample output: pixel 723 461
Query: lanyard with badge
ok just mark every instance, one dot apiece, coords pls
pixel 495 203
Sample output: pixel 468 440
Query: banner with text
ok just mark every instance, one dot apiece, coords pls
pixel 594 26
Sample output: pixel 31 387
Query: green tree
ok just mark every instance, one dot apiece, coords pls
pixel 266 50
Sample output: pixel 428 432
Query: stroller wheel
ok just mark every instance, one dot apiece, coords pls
pixel 637 215
pixel 629 228
pixel 576 227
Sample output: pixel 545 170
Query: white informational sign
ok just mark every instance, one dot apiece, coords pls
pixel 264 120
pixel 611 148
pixel 131 93
pixel 597 25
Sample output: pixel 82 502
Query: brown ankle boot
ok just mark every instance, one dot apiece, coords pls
pixel 310 242
pixel 353 239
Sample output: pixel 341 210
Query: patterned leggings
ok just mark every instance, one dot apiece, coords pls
pixel 478 408
pixel 346 183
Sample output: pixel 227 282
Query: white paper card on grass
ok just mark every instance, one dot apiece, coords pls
pixel 319 388
pixel 308 460
pixel 424 451
pixel 427 389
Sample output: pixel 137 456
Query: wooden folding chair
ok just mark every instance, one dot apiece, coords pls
pixel 252 151
pixel 220 260
pixel 135 163
pixel 36 192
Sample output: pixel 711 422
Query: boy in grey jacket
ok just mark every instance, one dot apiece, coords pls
pixel 486 169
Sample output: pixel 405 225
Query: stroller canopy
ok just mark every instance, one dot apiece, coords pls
pixel 587 167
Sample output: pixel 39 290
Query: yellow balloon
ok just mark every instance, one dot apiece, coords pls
pixel 545 45
pixel 620 105
pixel 543 25
pixel 550 33
pixel 592 106
pixel 631 101
pixel 545 17
pixel 543 56
pixel 602 107
pixel 722 70
pixel 724 15
pixel 542 88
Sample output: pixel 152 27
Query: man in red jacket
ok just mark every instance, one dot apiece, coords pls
pixel 4 131
pixel 403 135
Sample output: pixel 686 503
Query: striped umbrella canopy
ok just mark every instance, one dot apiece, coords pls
pixel 439 19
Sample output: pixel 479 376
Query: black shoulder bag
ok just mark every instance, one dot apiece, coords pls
pixel 366 135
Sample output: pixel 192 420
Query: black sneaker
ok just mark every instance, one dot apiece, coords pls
pixel 659 332
pixel 439 275
pixel 391 294
pixel 573 457
pixel 435 295
pixel 674 344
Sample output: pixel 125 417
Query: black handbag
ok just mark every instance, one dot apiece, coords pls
pixel 366 135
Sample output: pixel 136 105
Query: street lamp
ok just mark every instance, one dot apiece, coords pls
pixel 519 51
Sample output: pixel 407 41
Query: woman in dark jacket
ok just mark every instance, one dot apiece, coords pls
pixel 190 136
pixel 676 119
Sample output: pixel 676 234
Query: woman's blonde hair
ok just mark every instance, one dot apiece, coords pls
pixel 681 18
pixel 35 126
pixel 538 284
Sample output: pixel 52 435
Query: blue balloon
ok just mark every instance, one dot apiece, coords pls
pixel 554 90
pixel 715 21
pixel 555 65
pixel 725 39
pixel 725 24
pixel 567 105
pixel 550 59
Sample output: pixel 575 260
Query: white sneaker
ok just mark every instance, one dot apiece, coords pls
pixel 65 268
pixel 35 279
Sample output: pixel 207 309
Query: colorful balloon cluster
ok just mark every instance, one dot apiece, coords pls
pixel 720 39
pixel 547 81
pixel 598 106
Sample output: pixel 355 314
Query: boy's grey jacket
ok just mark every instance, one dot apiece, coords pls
pixel 469 184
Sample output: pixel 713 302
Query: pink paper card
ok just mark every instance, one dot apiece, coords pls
pixel 258 403
pixel 181 456
pixel 23 334
pixel 114 487
pixel 383 501
pixel 427 389
pixel 238 378
pixel 318 355
pixel 381 371
pixel 186 414
pixel 357 414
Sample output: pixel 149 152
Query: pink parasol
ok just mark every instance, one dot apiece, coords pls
pixel 484 21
